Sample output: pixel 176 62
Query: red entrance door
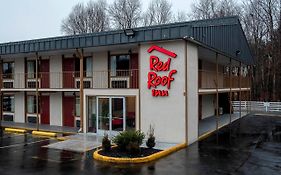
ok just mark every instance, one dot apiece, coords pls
pixel 45 109
pixel 68 111
pixel 68 72
pixel 44 72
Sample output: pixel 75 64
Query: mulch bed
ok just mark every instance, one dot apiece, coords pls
pixel 115 152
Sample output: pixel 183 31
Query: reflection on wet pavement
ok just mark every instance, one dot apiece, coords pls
pixel 249 146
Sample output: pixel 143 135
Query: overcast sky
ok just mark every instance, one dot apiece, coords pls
pixel 31 19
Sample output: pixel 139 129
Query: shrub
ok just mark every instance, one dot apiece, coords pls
pixel 106 143
pixel 129 141
pixel 150 143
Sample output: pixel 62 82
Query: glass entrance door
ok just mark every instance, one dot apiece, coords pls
pixel 111 115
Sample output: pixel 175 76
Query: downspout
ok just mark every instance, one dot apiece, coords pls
pixel 185 93
pixel 81 58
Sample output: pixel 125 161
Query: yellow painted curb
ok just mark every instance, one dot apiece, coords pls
pixel 62 138
pixel 15 130
pixel 149 158
pixel 42 133
pixel 207 134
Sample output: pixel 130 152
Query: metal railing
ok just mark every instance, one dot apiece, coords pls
pixel 208 80
pixel 257 106
pixel 71 80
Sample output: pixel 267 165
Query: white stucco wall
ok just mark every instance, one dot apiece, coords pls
pixel 55 71
pixel 192 92
pixel 208 106
pixel 166 114
pixel 19 107
pixel 19 73
pixel 56 109
pixel 100 67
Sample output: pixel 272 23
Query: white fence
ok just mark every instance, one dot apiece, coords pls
pixel 256 106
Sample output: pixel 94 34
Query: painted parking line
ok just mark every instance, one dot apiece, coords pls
pixel 23 144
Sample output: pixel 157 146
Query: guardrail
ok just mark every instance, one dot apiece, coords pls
pixel 257 106
pixel 207 80
pixel 71 80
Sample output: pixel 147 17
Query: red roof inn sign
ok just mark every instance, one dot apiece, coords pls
pixel 156 65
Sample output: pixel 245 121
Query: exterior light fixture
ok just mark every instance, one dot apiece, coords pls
pixel 129 32
pixel 238 52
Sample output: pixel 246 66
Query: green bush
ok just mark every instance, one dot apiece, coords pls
pixel 106 144
pixel 129 141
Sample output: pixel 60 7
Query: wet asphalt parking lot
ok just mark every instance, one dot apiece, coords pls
pixel 251 145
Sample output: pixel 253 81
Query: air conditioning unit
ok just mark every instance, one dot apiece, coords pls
pixel 87 83
pixel 120 82
pixel 32 118
pixel 31 83
pixel 8 84
pixel 8 117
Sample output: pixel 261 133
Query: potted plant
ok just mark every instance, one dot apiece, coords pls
pixel 150 143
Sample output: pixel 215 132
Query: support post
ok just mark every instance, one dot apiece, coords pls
pixel 217 93
pixel 230 91
pixel 240 114
pixel 1 96
pixel 37 92
pixel 81 58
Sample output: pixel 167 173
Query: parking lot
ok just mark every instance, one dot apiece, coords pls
pixel 249 146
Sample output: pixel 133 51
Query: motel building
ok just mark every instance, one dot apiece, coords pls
pixel 181 78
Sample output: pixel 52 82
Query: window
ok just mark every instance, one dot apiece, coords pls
pixel 31 104
pixel 31 74
pixel 8 103
pixel 119 65
pixel 87 67
pixel 77 106
pixel 8 70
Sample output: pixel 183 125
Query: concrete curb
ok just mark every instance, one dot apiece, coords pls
pixel 152 157
pixel 42 133
pixel 15 130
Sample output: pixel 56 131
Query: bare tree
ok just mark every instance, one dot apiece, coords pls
pixel 158 12
pixel 180 16
pixel 86 19
pixel 206 9
pixel 125 13
pixel 98 19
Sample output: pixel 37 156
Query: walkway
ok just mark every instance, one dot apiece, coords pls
pixel 88 141
pixel 42 127
pixel 209 124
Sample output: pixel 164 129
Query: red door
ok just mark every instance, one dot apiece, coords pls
pixel 134 68
pixel 68 72
pixel 68 111
pixel 45 109
pixel 44 72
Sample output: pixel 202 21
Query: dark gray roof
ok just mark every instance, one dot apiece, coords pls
pixel 223 34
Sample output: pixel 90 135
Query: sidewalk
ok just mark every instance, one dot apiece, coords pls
pixel 42 127
pixel 209 124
